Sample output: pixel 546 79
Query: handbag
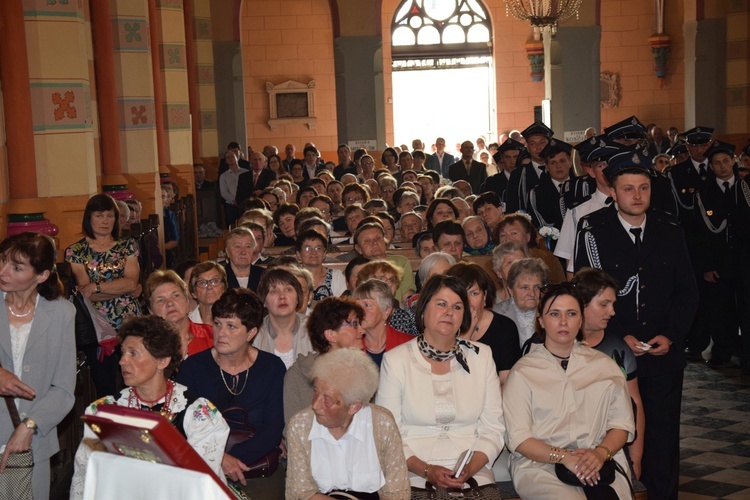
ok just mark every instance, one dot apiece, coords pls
pixel 84 323
pixel 241 431
pixel 15 481
pixel 606 477
pixel 429 492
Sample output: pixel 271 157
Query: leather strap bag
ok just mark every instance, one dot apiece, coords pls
pixel 241 431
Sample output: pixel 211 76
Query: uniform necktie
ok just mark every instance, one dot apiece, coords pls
pixel 608 201
pixel 726 187
pixel 702 169
pixel 637 233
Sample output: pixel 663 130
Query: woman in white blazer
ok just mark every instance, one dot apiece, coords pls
pixel 37 352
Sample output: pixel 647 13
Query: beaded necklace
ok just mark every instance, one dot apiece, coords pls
pixel 135 401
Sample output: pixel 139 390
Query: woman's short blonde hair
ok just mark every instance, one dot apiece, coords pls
pixel 370 269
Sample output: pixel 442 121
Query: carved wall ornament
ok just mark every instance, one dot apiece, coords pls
pixel 609 89
pixel 290 103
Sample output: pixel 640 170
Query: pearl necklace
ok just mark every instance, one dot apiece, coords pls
pixel 135 401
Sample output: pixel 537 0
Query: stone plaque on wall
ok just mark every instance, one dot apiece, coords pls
pixel 291 102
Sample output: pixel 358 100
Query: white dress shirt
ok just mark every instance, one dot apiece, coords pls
pixel 228 184
pixel 568 233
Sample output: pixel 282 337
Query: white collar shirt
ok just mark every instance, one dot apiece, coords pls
pixel 626 225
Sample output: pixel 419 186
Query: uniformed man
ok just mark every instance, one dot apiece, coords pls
pixel 644 250
pixel 521 180
pixel 716 262
pixel 578 189
pixel 688 176
pixel 628 132
pixel 505 159
pixel 742 219
pixel 546 206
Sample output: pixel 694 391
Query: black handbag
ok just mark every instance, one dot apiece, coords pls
pixel 15 481
pixel 241 431
pixel 84 323
pixel 606 477
pixel 429 492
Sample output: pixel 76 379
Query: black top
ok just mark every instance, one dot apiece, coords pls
pixel 502 338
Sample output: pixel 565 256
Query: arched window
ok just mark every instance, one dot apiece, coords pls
pixel 458 32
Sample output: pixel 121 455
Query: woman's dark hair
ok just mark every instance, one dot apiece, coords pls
pixel 388 150
pixel 470 273
pixel 550 294
pixel 254 203
pixel 279 276
pixel 436 283
pixel 242 304
pixel 329 314
pixel 486 198
pixel 281 163
pixel 285 209
pixel 358 189
pixel 160 338
pixel 39 250
pixel 356 261
pixel 591 282
pixel 101 203
pixel 525 223
pixel 450 228
pixel 433 206
pixel 309 234
pixel 183 267
pixel 306 189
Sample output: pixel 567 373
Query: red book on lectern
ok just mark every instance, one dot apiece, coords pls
pixel 148 436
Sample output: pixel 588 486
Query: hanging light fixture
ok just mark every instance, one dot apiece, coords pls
pixel 542 14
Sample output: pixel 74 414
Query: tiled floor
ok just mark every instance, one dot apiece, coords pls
pixel 715 434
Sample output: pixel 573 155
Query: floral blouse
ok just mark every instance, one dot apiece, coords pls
pixel 199 421
pixel 104 267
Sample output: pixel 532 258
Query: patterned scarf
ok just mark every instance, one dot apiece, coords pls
pixel 441 356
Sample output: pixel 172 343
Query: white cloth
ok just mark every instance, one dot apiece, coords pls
pixel 205 428
pixel 115 476
pixel 195 316
pixel 568 233
pixel 721 183
pixel 228 184
pixel 330 458
pixel 287 357
pixel 573 408
pixel 243 281
pixel 466 412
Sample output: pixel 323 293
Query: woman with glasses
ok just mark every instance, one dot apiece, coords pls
pixel 526 277
pixel 312 248
pixel 567 410
pixel 283 330
pixel 208 281
pixel 167 297
pixel 387 186
pixel 376 298
pixel 335 323
pixel 383 270
pixel 323 203
pixel 444 394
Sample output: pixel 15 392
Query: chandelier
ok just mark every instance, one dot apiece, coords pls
pixel 542 13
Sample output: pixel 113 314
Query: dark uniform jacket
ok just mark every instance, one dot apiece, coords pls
pixel 497 183
pixel 658 294
pixel 714 229
pixel 522 179
pixel 546 205
pixel 685 182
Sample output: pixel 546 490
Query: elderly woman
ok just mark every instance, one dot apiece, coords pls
pixel 526 277
pixel 335 322
pixel 477 233
pixel 387 185
pixel 502 257
pixel 400 319
pixel 488 327
pixel 598 291
pixel 151 353
pixel 444 393
pixel 312 248
pixel 38 356
pixel 518 227
pixel 208 282
pixel 283 330
pixel 107 272
pixel 566 409
pixel 167 297
pixel 342 443
pixel 248 378
pixel 376 298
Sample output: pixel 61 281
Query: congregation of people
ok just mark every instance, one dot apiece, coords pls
pixel 528 305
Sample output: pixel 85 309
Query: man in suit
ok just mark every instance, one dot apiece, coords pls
pixel 468 169
pixel 505 159
pixel 311 162
pixel 289 151
pixel 522 179
pixel 199 173
pixel 546 207
pixel 240 248
pixel 716 260
pixel 253 183
pixel 653 309
pixel 439 161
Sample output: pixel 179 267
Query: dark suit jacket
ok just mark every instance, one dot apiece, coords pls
pixel 476 175
pixel 49 366
pixel 340 170
pixel 433 163
pixel 245 186
pixel 658 293
pixel 522 179
pixel 252 283
pixel 497 183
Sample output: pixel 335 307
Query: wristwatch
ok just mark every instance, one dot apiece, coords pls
pixel 30 424
pixel 98 288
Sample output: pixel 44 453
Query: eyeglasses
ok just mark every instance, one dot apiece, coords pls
pixel 205 283
pixel 309 249
pixel 356 199
pixel 354 323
